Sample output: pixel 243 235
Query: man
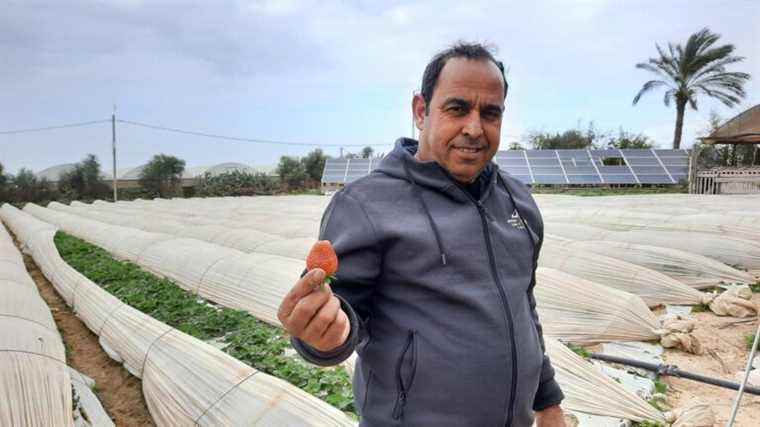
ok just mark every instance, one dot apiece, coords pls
pixel 438 251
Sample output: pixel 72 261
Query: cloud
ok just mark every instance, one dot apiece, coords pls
pixel 339 72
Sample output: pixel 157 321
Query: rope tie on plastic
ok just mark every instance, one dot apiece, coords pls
pixel 74 296
pixel 150 347
pixel 196 422
pixel 205 272
pixel 33 353
pixel 28 320
pixel 110 315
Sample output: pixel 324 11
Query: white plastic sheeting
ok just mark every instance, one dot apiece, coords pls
pixel 185 381
pixel 252 282
pixel 653 287
pixel 260 271
pixel 590 391
pixel 689 268
pixel 35 386
pixel 254 233
pixel 728 250
pixel 582 312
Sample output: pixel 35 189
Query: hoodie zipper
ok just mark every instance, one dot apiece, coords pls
pixel 403 390
pixel 484 218
pixel 507 311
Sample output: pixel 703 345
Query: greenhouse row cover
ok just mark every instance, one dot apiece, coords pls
pixel 624 317
pixel 619 402
pixel 269 226
pixel 35 389
pixel 184 380
pixel 655 288
pixel 256 283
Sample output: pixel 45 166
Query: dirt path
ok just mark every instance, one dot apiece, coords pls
pixel 118 390
pixel 725 354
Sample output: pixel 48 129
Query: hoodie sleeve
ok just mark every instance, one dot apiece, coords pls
pixel 549 392
pixel 347 225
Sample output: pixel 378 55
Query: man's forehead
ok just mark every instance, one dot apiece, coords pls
pixel 467 77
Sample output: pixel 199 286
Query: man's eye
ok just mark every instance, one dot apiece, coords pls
pixel 456 109
pixel 491 115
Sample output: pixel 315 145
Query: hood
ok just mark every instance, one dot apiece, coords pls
pixel 401 163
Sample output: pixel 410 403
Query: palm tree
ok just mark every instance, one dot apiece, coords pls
pixel 698 68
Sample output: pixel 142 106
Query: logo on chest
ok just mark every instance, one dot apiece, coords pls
pixel 515 221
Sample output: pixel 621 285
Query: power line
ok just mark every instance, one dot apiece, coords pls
pixel 70 125
pixel 239 139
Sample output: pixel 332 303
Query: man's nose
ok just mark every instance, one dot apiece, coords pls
pixel 473 128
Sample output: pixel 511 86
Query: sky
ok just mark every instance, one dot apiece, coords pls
pixel 329 72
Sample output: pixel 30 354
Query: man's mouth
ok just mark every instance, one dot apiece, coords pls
pixel 469 149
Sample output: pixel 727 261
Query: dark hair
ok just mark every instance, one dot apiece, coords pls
pixel 474 51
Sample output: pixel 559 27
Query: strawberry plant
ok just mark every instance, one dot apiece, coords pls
pixel 262 346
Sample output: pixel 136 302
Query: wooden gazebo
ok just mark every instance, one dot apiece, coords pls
pixel 742 130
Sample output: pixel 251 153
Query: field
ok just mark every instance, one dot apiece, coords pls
pixel 206 276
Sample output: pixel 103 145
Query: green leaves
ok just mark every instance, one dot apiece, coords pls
pixel 249 340
pixel 693 69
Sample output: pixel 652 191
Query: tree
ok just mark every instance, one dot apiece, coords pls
pixel 84 180
pixel 367 152
pixel 695 69
pixel 627 140
pixel 234 183
pixel 27 188
pixel 314 164
pixel 292 173
pixel 3 181
pixel 569 139
pixel 162 175
pixel 516 146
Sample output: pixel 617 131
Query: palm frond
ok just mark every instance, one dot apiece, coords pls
pixel 717 67
pixel 696 68
pixel 699 62
pixel 727 99
pixel 648 86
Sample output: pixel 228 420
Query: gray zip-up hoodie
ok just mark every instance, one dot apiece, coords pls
pixel 439 290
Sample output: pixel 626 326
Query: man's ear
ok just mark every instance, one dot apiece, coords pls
pixel 418 109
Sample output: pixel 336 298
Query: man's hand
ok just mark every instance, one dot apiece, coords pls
pixel 550 417
pixel 312 313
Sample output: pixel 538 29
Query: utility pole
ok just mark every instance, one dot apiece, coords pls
pixel 113 147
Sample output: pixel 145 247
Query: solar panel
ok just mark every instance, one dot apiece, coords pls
pixel 544 162
pixel 510 154
pixel 547 170
pixel 576 166
pixel 580 170
pixel 619 179
pixel 550 179
pixel 614 169
pixel 655 179
pixel 647 170
pixel 584 179
pixel 642 161
pixel 511 162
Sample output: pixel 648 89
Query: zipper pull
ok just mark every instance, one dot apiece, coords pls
pixel 398 410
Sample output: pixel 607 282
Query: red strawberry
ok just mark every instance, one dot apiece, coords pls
pixel 322 255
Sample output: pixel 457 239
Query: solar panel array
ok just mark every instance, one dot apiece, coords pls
pixel 561 167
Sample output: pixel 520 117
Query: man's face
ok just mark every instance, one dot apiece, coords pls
pixel 462 130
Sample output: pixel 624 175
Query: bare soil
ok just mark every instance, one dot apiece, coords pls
pixel 119 391
pixel 725 354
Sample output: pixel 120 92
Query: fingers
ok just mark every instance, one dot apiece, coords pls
pixel 322 320
pixel 337 332
pixel 303 287
pixel 305 310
